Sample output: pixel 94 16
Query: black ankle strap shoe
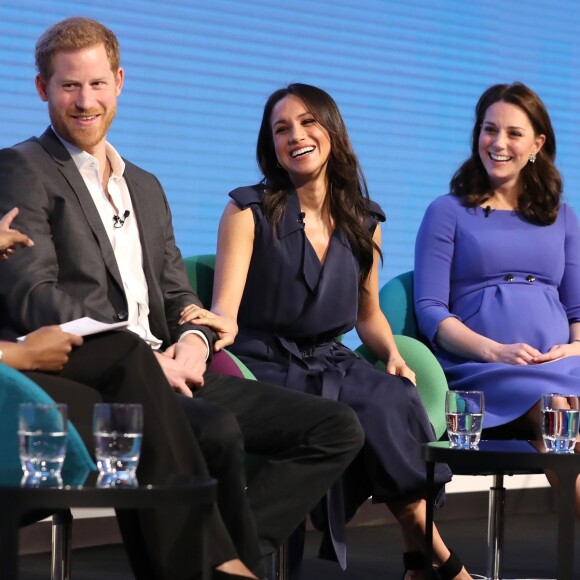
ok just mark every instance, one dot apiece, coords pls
pixel 447 570
pixel 450 568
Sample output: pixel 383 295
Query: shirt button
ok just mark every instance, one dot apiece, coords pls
pixel 530 278
pixel 509 277
pixel 122 315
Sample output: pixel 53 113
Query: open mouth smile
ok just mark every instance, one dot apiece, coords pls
pixel 499 158
pixel 85 119
pixel 301 152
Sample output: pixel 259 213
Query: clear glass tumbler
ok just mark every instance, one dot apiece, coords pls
pixel 118 432
pixel 42 438
pixel 560 422
pixel 464 415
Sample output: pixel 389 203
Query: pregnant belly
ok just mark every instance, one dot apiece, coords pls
pixel 519 313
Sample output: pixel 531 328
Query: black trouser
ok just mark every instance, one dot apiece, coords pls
pixel 307 442
pixel 122 369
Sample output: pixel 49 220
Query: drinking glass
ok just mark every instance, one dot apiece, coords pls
pixel 42 437
pixel 560 421
pixel 464 415
pixel 118 431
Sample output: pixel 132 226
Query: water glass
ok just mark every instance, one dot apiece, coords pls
pixel 560 421
pixel 118 431
pixel 464 415
pixel 42 437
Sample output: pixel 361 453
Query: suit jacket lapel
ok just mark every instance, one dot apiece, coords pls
pixel 71 173
pixel 147 220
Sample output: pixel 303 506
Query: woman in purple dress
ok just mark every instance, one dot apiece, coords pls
pixel 497 270
pixel 297 266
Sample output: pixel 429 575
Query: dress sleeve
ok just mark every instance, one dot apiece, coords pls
pixel 434 251
pixel 376 215
pixel 570 285
pixel 248 195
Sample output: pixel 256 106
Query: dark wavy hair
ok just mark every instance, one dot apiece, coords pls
pixel 348 197
pixel 542 184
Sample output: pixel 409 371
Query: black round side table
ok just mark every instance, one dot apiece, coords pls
pixel 509 457
pixel 15 501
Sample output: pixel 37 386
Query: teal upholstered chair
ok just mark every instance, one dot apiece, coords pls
pixel 16 388
pixel 396 300
pixel 200 271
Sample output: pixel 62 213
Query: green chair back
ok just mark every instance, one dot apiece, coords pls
pixel 397 303
pixel 200 271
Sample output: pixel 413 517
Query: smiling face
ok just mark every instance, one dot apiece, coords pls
pixel 302 145
pixel 82 96
pixel 506 141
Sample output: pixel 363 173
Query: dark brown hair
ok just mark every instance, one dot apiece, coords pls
pixel 74 33
pixel 348 197
pixel 542 184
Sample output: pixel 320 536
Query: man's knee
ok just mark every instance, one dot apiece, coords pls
pixel 216 428
pixel 222 434
pixel 341 428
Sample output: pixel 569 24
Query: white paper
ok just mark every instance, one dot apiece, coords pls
pixel 86 325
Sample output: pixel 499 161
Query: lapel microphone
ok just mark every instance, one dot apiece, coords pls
pixel 487 210
pixel 301 217
pixel 119 221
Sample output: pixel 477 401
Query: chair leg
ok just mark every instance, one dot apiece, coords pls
pixel 495 528
pixel 283 572
pixel 61 545
pixel 277 564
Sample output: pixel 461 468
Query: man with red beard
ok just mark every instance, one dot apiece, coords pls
pixel 104 247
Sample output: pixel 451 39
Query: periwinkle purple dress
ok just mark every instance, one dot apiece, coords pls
pixel 509 280
pixel 293 308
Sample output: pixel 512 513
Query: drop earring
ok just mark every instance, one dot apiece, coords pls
pixel 532 157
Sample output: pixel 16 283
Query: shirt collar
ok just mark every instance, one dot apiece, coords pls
pixel 80 157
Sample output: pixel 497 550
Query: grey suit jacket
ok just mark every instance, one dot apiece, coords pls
pixel 71 271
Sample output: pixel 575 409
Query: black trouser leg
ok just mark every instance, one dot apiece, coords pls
pixel 308 442
pixel 222 444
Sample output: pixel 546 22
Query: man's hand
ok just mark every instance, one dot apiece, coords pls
pixel 184 364
pixel 47 349
pixel 224 327
pixel 9 238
